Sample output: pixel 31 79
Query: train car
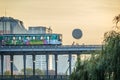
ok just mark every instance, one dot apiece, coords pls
pixel 30 39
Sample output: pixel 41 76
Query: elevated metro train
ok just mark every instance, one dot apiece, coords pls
pixel 30 39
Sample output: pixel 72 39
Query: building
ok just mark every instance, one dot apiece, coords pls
pixel 37 30
pixel 8 25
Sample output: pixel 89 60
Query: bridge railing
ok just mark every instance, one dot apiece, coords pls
pixel 35 77
pixel 63 46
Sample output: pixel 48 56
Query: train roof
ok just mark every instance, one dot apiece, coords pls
pixel 30 34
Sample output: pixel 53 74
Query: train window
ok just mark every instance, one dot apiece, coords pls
pixel 49 37
pixel 10 37
pixel 37 37
pixel 45 37
pixel 5 38
pixel 54 37
pixel 22 37
pixel 1 37
pixel 17 37
pixel 28 38
pixel 25 37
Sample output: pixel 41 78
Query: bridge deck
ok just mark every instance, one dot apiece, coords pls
pixel 43 49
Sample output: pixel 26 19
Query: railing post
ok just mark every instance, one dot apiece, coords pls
pixel 69 60
pixel 56 60
pixel 2 64
pixel 11 63
pixel 47 63
pixel 33 56
pixel 24 61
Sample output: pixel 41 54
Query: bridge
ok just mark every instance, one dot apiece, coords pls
pixel 42 50
pixel 61 49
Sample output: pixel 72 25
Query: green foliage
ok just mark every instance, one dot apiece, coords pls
pixel 117 20
pixel 39 72
pixel 7 73
pixel 29 71
pixel 106 64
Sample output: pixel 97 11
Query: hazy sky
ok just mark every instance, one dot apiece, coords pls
pixel 93 17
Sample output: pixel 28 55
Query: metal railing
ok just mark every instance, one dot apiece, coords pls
pixel 51 48
pixel 35 77
pixel 56 46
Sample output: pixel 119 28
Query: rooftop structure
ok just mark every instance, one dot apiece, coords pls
pixel 9 25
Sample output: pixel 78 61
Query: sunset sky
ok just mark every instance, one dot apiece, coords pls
pixel 93 17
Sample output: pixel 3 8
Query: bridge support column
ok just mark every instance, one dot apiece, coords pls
pixel 69 60
pixel 2 64
pixel 56 60
pixel 24 63
pixel 78 56
pixel 11 64
pixel 33 57
pixel 47 63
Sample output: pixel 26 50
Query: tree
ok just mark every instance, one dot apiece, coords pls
pixel 29 71
pixel 117 20
pixel 112 49
pixel 39 72
pixel 106 64
pixel 7 73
